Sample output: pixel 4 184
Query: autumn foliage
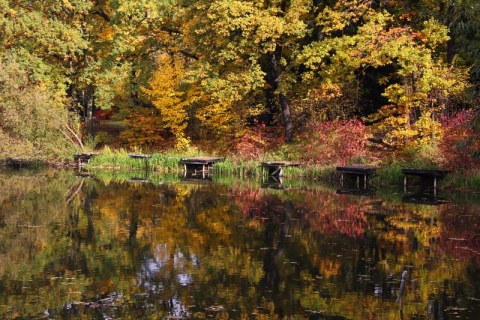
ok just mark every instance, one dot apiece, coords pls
pixel 461 143
pixel 333 142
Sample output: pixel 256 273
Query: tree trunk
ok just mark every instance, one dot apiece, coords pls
pixel 447 11
pixel 287 119
pixel 282 99
pixel 451 41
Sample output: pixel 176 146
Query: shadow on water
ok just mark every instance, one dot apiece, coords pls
pixel 351 185
pixel 424 196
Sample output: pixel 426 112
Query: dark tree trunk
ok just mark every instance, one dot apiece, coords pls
pixel 274 79
pixel 287 119
pixel 451 42
pixel 447 11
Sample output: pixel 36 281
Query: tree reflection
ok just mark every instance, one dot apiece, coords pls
pixel 88 248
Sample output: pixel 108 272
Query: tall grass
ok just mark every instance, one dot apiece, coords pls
pixel 242 168
pixel 463 180
pixel 317 172
pixel 122 160
pixel 170 162
pixel 118 159
pixel 165 162
pixel 390 174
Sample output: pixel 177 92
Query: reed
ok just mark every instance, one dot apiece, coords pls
pixel 165 162
pixel 108 158
pixel 169 162
pixel 388 175
pixel 317 172
pixel 463 180
pixel 238 167
pixel 122 160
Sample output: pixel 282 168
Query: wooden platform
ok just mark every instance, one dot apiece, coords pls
pixel 356 170
pixel 199 164
pixel 276 168
pixel 424 174
pixel 139 156
pixel 82 158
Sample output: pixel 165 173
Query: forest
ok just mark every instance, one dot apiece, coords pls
pixel 319 81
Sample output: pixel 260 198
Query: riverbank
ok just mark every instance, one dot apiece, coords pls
pixel 387 172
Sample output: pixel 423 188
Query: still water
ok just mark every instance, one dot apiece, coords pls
pixel 116 246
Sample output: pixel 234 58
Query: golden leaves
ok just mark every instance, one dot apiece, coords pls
pixel 167 95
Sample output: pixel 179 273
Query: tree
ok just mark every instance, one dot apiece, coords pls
pixel 169 98
pixel 34 123
pixel 50 40
pixel 244 49
pixel 418 82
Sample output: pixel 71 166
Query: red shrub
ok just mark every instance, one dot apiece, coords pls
pixel 460 143
pixel 333 142
pixel 256 140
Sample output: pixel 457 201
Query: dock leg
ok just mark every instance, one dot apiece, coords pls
pixel 364 181
pixel 358 182
pixel 274 171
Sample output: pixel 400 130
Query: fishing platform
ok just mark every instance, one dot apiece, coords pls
pixel 199 164
pixel 139 156
pixel 424 174
pixel 356 170
pixel 276 168
pixel 83 158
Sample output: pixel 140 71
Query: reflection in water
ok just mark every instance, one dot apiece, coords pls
pixel 423 195
pixel 76 247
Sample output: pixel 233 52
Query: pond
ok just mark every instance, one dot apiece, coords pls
pixel 133 246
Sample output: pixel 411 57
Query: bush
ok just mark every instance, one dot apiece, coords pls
pixel 460 144
pixel 333 142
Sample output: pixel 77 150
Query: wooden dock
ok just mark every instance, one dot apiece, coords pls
pixel 83 158
pixel 424 174
pixel 357 171
pixel 139 156
pixel 202 165
pixel 276 168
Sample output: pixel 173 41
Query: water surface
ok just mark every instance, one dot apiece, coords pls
pixel 138 247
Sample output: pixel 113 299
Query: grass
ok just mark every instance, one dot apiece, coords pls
pixel 121 160
pixel 169 162
pixel 463 180
pixel 388 173
pixel 164 162
pixel 241 168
